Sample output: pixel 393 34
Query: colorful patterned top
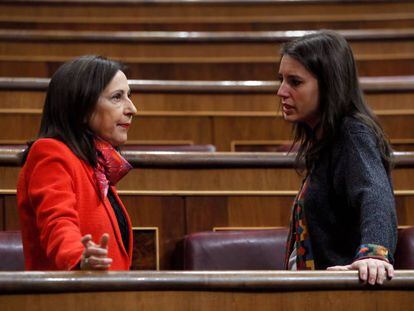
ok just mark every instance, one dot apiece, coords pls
pixel 298 237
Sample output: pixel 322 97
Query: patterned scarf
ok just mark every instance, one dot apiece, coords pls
pixel 111 166
pixel 298 234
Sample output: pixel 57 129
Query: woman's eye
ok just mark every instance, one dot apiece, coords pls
pixel 295 82
pixel 116 97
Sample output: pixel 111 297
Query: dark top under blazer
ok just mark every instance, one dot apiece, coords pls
pixel 350 199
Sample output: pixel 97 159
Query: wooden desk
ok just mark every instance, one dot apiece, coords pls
pixel 184 193
pixel 381 93
pixel 193 55
pixel 205 15
pixel 221 290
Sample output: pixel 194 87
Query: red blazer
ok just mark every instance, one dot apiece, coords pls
pixel 58 203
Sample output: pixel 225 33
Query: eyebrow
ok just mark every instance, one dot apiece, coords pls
pixel 119 90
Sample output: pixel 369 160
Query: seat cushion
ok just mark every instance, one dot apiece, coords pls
pixel 404 255
pixel 11 251
pixel 235 250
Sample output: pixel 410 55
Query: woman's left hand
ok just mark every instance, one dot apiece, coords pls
pixel 375 271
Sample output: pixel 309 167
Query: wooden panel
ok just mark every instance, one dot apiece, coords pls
pixel 207 101
pixel 405 210
pixel 189 213
pixel 22 99
pixel 11 216
pixel 175 216
pixel 193 179
pixel 176 50
pixel 145 254
pixel 209 300
pixel 393 20
pixel 211 179
pixel 196 129
pixel 205 213
pixel 165 213
pixel 171 10
pixel 260 69
pixel 392 101
pixel 203 128
pixel 2 213
pixel 259 179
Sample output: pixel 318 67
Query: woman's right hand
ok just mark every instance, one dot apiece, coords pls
pixel 95 256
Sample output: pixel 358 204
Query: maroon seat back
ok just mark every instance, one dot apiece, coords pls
pixel 170 148
pixel 235 250
pixel 404 255
pixel 260 250
pixel 11 251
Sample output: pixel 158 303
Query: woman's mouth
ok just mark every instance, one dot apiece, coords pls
pixel 287 108
pixel 124 125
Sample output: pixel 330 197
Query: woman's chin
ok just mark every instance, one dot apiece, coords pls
pixel 289 118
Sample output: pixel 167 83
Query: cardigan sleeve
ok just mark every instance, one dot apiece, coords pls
pixel 51 193
pixel 369 191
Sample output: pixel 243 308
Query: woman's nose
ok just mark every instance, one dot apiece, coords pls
pixel 282 90
pixel 131 109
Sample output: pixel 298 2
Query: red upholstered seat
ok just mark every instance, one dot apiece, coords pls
pixel 235 250
pixel 170 148
pixel 404 255
pixel 11 251
pixel 260 250
pixel 221 250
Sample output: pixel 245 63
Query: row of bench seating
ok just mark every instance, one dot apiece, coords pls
pixel 233 115
pixel 193 55
pixel 192 187
pixel 170 195
pixel 381 93
pixel 205 15
pixel 220 250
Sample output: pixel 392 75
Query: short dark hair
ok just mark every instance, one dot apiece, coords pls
pixel 327 55
pixel 71 97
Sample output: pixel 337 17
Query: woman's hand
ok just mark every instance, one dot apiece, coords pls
pixel 95 257
pixel 375 271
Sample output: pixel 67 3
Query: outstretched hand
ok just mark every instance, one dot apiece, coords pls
pixel 371 270
pixel 95 256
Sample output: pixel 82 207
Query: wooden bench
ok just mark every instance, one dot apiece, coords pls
pixel 220 290
pixel 193 55
pixel 225 130
pixel 205 15
pixel 182 193
pixel 381 93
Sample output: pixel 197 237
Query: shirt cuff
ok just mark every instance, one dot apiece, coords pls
pixel 373 251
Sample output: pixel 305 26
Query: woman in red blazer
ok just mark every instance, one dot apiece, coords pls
pixel 71 216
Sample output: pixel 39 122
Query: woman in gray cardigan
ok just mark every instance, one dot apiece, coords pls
pixel 343 217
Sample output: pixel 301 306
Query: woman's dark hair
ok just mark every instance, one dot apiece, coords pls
pixel 71 97
pixel 328 56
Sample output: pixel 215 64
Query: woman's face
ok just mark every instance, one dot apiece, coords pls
pixel 113 112
pixel 299 92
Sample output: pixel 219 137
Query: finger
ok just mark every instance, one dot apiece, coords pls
pixel 99 261
pixel 95 251
pixel 390 270
pixel 381 274
pixel 104 240
pixel 86 264
pixel 372 272
pixel 362 269
pixel 86 239
pixel 100 267
pixel 338 268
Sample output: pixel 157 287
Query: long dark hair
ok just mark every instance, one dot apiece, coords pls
pixel 71 97
pixel 328 56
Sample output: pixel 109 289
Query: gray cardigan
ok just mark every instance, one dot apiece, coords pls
pixel 350 200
